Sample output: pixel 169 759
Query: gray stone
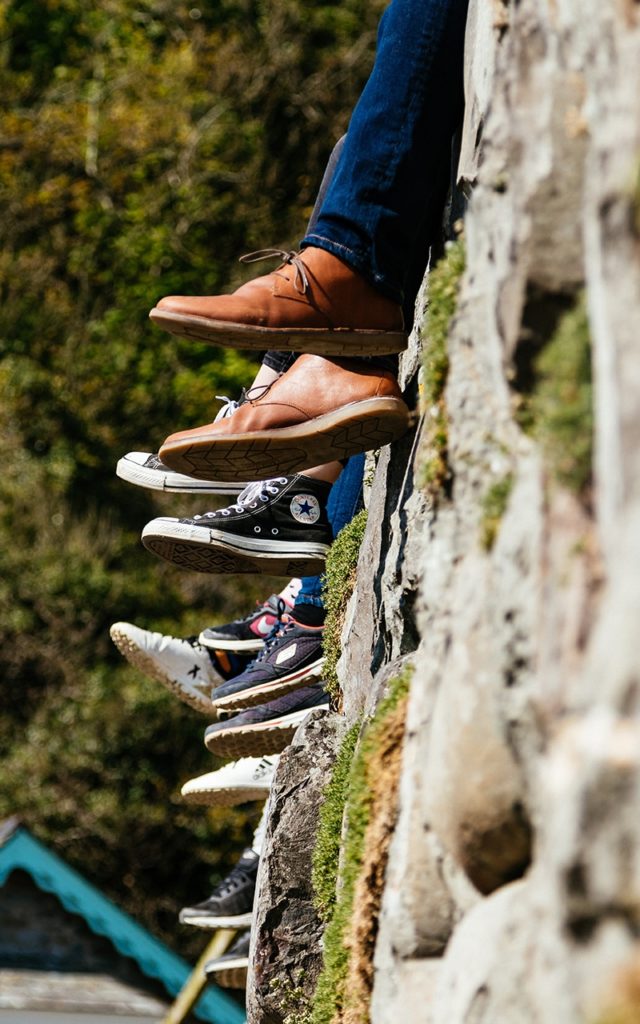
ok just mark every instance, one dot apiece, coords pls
pixel 287 932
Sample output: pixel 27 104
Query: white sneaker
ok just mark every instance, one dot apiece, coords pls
pixel 247 779
pixel 146 470
pixel 184 666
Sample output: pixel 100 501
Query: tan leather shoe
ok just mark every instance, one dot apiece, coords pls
pixel 318 411
pixel 313 302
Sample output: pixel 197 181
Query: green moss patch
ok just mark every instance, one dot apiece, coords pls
pixel 351 797
pixel 494 506
pixel 327 849
pixel 444 284
pixel 339 581
pixel 558 409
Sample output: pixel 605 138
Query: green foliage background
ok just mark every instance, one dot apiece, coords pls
pixel 143 147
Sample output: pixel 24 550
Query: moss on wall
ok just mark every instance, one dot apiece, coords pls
pixel 339 581
pixel 360 795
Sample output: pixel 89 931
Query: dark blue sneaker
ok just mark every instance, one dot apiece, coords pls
pixel 267 729
pixel 290 659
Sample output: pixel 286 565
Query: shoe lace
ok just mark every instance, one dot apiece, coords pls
pixel 228 408
pixel 300 280
pixel 279 628
pixel 254 492
pixel 236 878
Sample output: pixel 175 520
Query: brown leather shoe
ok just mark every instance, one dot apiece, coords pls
pixel 318 411
pixel 313 302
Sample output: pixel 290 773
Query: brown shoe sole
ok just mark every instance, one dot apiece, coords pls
pixel 229 977
pixel 317 341
pixel 358 427
pixel 257 740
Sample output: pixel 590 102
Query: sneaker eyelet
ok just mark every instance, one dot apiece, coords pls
pixel 257 529
pixel 275 530
pixel 226 512
pixel 263 497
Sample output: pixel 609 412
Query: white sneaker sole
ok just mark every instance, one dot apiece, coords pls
pixel 204 549
pixel 224 796
pixel 149 667
pixel 209 921
pixel 174 483
pixel 259 739
pixel 269 691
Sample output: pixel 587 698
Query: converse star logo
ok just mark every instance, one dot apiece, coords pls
pixel 286 654
pixel 305 508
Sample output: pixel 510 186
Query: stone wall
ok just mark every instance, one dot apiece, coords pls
pixel 512 890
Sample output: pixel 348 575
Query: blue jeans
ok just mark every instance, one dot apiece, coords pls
pixel 345 499
pixel 398 138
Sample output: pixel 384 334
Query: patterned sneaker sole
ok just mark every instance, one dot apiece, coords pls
pixel 232 974
pixel 211 921
pixel 314 340
pixel 225 797
pixel 142 661
pixel 361 426
pixel 270 691
pixel 174 483
pixel 178 545
pixel 260 739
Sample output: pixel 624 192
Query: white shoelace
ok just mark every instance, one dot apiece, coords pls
pixel 259 490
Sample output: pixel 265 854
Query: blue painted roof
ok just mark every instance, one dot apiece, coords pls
pixel 19 849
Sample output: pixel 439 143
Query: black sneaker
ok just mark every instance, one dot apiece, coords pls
pixel 277 526
pixel 291 658
pixel 248 634
pixel 230 969
pixel 231 902
pixel 267 729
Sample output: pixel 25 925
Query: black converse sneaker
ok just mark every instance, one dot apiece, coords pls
pixel 267 729
pixel 148 470
pixel 231 902
pixel 277 526
pixel 291 658
pixel 230 969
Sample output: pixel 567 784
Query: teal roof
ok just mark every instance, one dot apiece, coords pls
pixel 20 850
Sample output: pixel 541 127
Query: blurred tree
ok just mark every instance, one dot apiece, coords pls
pixel 144 145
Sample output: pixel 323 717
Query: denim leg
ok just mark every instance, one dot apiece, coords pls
pixel 399 133
pixel 345 499
pixel 281 361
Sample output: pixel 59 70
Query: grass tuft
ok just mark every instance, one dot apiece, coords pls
pixel 339 581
